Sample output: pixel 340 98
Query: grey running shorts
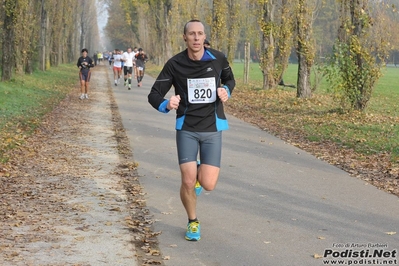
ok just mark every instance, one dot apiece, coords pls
pixel 209 145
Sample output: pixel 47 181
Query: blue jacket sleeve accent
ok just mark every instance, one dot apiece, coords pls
pixel 228 90
pixel 162 107
pixel 180 122
pixel 221 124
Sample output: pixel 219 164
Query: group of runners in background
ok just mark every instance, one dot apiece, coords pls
pixel 131 62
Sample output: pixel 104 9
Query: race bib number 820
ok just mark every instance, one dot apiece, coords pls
pixel 201 90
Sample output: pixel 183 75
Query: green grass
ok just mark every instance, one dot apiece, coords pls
pixel 25 99
pixel 373 131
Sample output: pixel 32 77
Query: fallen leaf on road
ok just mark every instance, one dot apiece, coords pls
pixel 154 252
pixel 83 228
pixel 317 256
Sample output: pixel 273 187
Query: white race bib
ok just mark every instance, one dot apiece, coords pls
pixel 202 90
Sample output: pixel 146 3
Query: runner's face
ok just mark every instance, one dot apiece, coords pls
pixel 195 36
pixel 84 54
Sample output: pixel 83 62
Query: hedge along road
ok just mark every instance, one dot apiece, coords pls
pixel 274 204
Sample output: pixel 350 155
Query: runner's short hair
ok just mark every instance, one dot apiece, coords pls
pixel 185 25
pixel 85 50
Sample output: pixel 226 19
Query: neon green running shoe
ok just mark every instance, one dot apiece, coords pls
pixel 193 232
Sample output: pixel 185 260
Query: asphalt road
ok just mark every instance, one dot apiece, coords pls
pixel 274 204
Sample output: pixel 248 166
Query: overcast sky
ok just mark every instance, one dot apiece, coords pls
pixel 102 15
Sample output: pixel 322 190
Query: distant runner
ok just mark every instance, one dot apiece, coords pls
pixel 128 58
pixel 141 58
pixel 84 64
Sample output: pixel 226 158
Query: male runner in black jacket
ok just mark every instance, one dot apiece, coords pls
pixel 203 81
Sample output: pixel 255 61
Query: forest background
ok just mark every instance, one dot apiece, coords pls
pixel 356 38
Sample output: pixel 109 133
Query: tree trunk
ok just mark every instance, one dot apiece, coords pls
pixel 8 40
pixel 247 58
pixel 42 41
pixel 233 23
pixel 305 49
pixel 267 61
pixel 303 82
pixel 218 29
pixel 168 44
pixel 357 26
pixel 285 40
pixel 83 26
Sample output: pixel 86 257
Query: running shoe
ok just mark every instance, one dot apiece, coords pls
pixel 198 187
pixel 193 232
pixel 86 96
pixel 82 97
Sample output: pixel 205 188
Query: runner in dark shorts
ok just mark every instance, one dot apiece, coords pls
pixel 84 64
pixel 203 81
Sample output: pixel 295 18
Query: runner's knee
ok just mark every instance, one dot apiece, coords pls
pixel 188 183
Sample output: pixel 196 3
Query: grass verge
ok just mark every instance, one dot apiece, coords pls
pixel 27 98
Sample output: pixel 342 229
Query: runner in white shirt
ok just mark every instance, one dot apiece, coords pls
pixel 117 58
pixel 128 58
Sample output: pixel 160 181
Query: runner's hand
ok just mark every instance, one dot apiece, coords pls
pixel 223 95
pixel 173 102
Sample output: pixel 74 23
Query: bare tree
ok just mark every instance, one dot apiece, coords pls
pixel 43 34
pixel 275 19
pixel 8 59
pixel 234 19
pixel 83 24
pixel 218 24
pixel 268 37
pixel 359 55
pixel 286 31
pixel 305 46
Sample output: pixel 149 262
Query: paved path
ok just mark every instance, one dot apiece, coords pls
pixel 65 204
pixel 274 204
